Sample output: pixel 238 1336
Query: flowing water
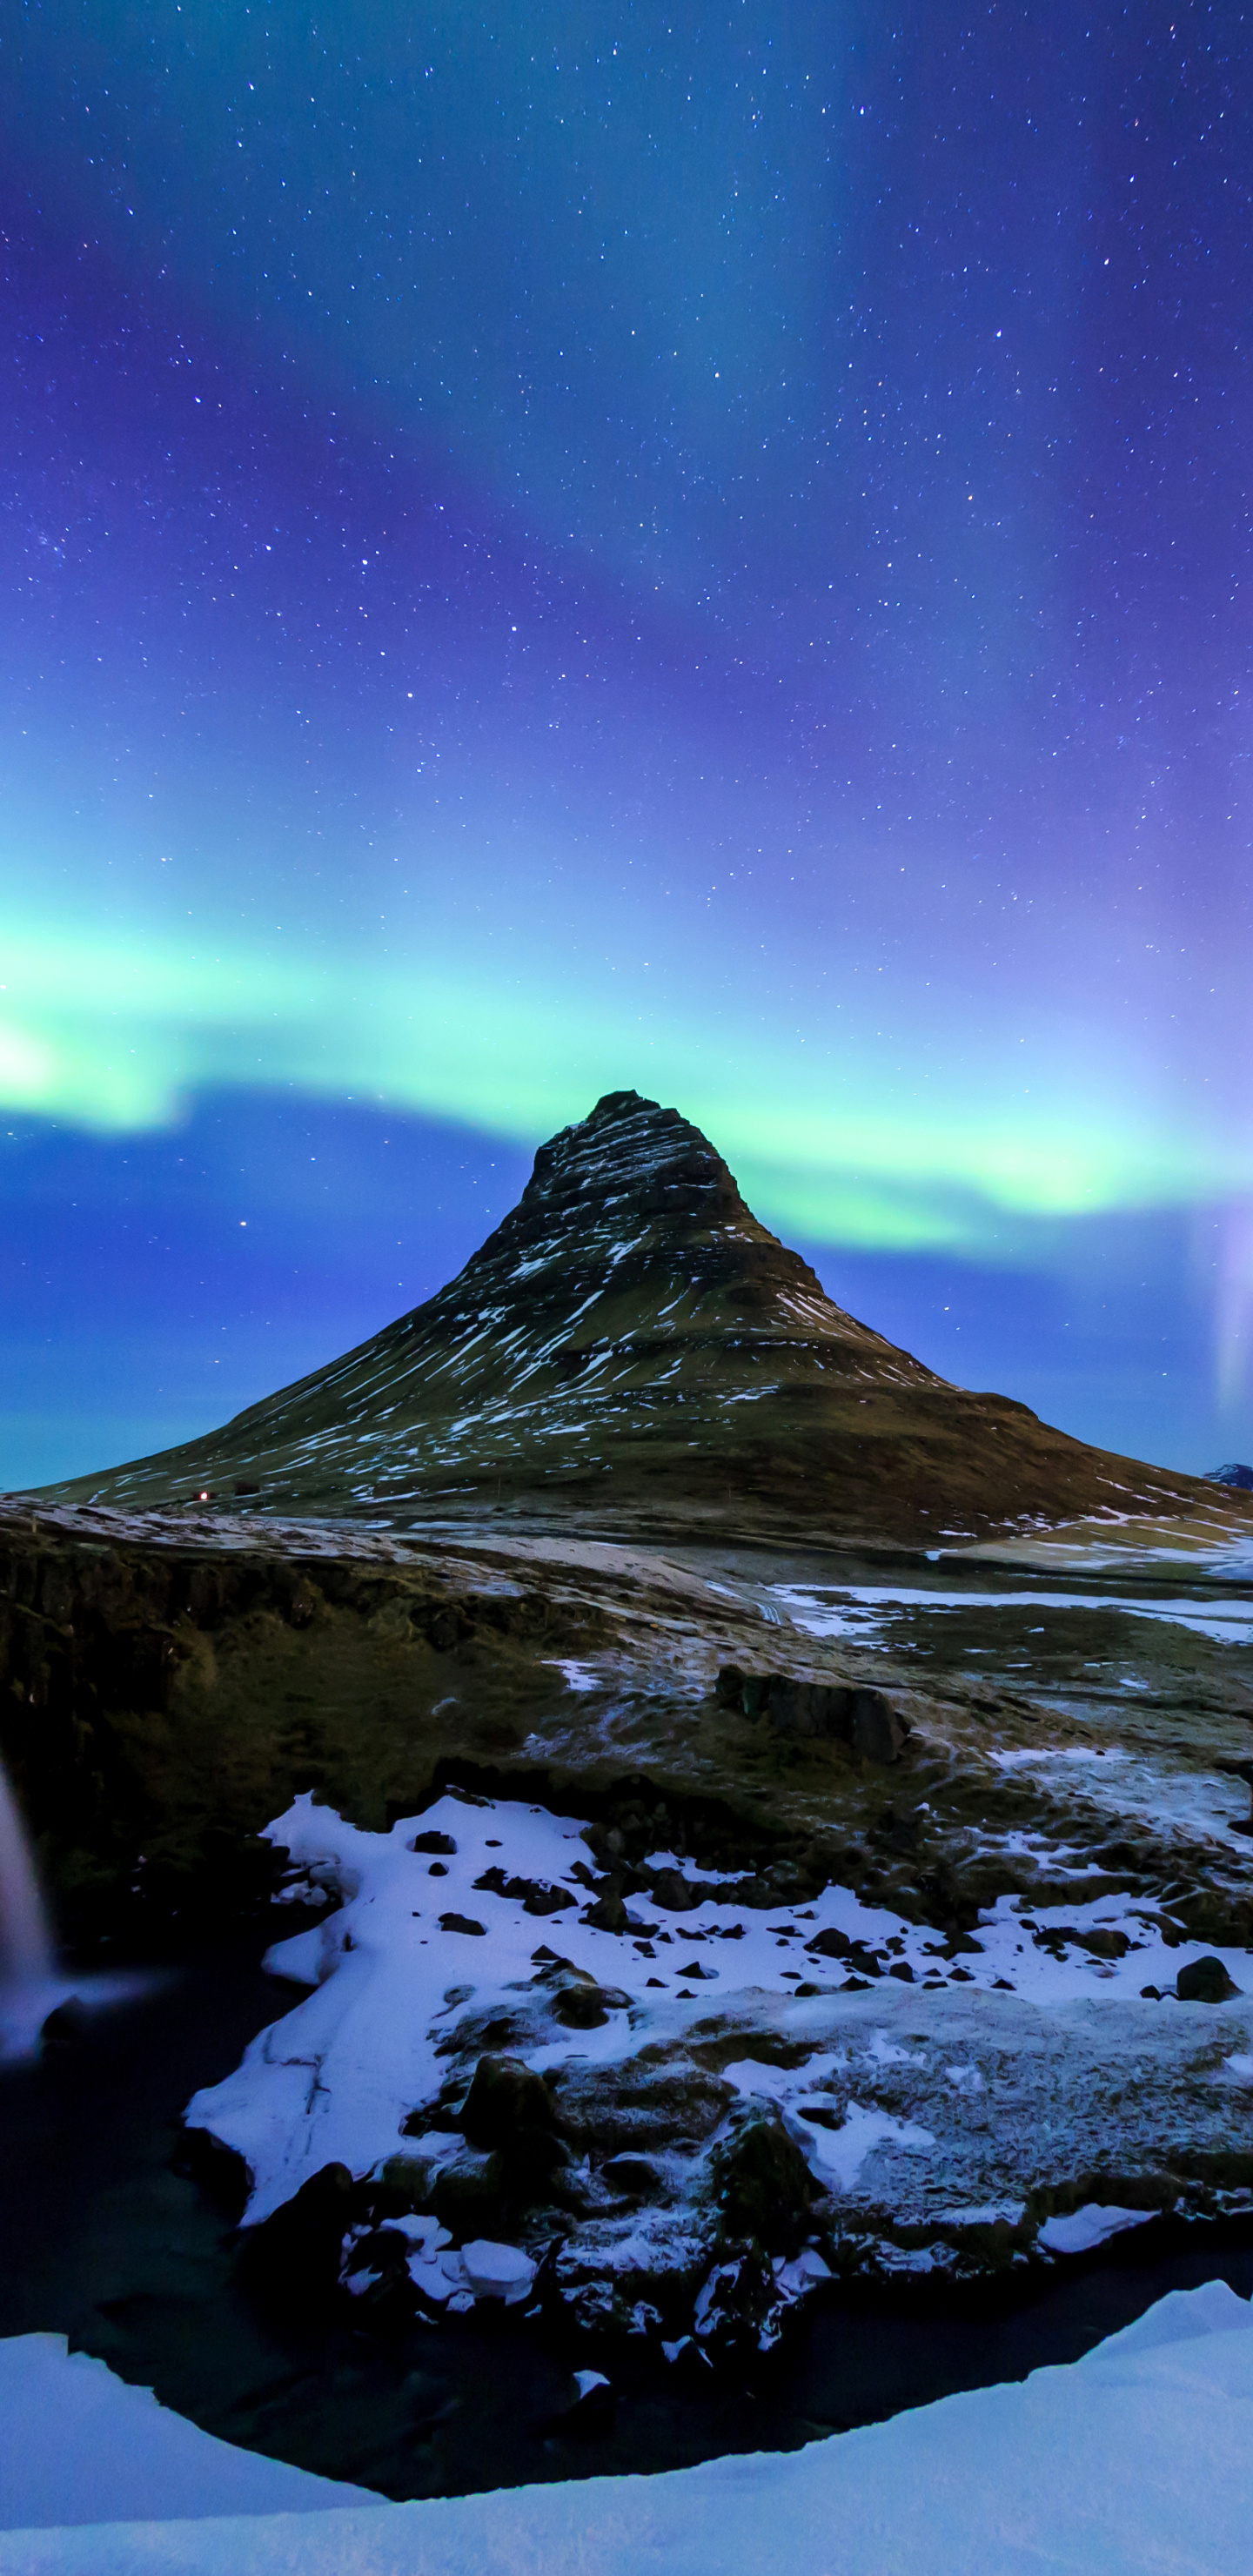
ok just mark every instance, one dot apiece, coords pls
pixel 25 1941
pixel 33 1983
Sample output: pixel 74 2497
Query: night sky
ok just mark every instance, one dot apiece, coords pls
pixel 554 548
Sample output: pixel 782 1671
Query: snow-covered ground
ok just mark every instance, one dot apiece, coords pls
pixel 394 1967
pixel 930 2089
pixel 77 2445
pixel 859 1611
pixel 1135 2461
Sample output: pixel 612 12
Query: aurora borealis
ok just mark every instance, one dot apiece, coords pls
pixel 560 549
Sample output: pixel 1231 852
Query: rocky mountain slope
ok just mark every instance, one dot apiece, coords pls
pixel 632 1348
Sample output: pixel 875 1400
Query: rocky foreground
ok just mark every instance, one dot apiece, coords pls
pixel 679 1934
pixel 676 2115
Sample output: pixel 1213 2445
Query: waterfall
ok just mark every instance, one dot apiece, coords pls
pixel 26 1956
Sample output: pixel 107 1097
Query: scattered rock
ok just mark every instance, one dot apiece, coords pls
pixel 809 1708
pixel 1205 1981
pixel 1104 1942
pixel 501 2272
pixel 374 2270
pixel 831 1944
pixel 467 2194
pixel 530 1893
pixel 462 1923
pixel 764 2186
pixel 403 2186
pixel 864 1962
pixel 510 2109
pixel 878 1729
pixel 584 2007
pixel 294 2256
pixel 434 1842
pixel 633 2174
pixel 220 2170
pixel 504 2097
pixel 674 1893
pixel 609 1914
pixel 65 2028
pixel 739 2310
pixel 858 1715
pixel 593 2408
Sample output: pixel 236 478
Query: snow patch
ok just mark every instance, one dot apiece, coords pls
pixel 1089 2226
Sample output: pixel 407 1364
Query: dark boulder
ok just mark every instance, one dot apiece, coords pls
pixel 584 2007
pixel 433 1842
pixel 64 2029
pixel 632 2174
pixel 461 1923
pixel 809 1708
pixel 505 2096
pixel 402 2185
pixel 764 2186
pixel 219 2170
pixel 864 1962
pixel 739 2313
pixel 593 2408
pixel 864 1718
pixel 609 1914
pixel 1205 1981
pixel 877 1728
pixel 510 2111
pixel 532 1894
pixel 293 2257
pixel 536 1898
pixel 467 2195
pixel 674 1893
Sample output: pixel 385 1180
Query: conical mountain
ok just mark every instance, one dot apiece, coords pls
pixel 633 1348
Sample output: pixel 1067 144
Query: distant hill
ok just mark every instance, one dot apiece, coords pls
pixel 633 1349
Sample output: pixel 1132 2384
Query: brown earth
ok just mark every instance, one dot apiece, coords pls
pixel 166 1688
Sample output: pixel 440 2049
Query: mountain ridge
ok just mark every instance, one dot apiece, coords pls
pixel 631 1339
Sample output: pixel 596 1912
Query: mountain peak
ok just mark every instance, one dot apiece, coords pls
pixel 624 1148
pixel 631 1339
pixel 632 1184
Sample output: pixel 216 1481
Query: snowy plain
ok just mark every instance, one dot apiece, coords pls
pixel 1135 2461
pixel 77 2445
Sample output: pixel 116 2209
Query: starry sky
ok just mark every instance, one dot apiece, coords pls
pixel 547 550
